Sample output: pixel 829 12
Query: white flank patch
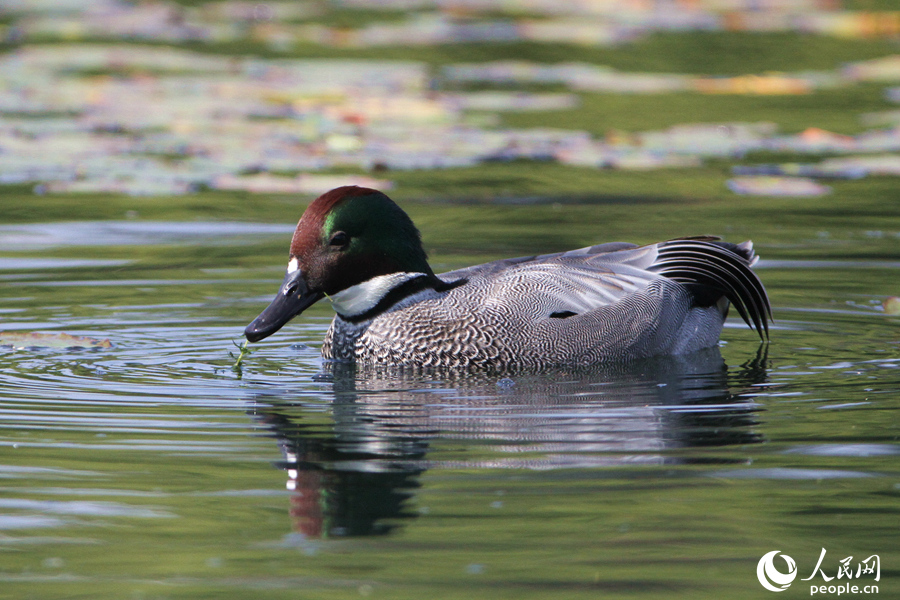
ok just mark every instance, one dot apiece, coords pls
pixel 364 296
pixel 293 265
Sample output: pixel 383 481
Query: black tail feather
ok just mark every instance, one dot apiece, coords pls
pixel 719 267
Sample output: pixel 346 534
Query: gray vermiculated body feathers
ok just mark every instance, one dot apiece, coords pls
pixel 607 302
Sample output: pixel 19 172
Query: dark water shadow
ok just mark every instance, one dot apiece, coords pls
pixel 354 464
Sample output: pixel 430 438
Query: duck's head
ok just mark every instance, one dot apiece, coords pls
pixel 347 236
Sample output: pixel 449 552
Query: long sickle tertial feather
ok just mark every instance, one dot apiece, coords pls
pixel 716 265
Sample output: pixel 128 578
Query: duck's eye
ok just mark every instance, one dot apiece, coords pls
pixel 339 239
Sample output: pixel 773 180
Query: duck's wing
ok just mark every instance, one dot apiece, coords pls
pixel 499 266
pixel 571 283
pixel 563 284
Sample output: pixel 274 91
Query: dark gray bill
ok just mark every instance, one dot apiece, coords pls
pixel 292 299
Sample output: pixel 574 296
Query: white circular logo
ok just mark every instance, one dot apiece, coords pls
pixel 771 578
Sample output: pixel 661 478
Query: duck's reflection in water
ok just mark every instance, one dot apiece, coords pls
pixel 355 462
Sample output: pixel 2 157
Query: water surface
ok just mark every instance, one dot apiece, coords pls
pixel 152 469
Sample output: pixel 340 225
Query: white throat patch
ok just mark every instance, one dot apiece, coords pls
pixel 363 297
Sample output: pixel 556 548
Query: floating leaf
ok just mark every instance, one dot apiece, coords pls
pixel 27 339
pixel 892 306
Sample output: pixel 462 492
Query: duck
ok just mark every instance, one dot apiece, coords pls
pixel 616 301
